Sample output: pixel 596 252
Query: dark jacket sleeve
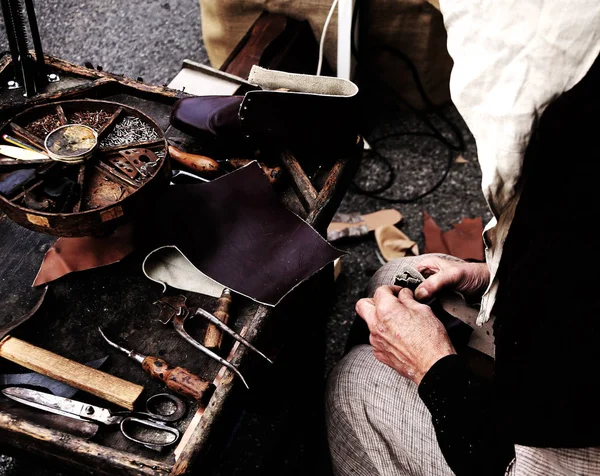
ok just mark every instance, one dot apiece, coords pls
pixel 466 422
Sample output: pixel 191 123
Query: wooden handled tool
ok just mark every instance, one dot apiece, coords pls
pixel 199 163
pixel 98 383
pixel 214 336
pixel 177 379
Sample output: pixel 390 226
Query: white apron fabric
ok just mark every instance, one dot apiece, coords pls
pixel 511 59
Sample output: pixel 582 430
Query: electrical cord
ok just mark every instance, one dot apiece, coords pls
pixel 458 145
pixel 323 34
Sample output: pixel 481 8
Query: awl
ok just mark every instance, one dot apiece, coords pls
pixel 177 379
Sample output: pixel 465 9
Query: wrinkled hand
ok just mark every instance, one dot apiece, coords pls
pixel 405 334
pixel 470 279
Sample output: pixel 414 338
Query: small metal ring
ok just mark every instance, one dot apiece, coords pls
pixel 178 414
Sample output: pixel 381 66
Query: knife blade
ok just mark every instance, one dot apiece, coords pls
pixel 20 153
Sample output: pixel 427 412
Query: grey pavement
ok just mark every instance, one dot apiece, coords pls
pixel 150 39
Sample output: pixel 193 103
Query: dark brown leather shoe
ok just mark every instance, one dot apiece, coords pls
pixel 293 111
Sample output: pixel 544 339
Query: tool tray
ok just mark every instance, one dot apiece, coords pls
pixel 120 299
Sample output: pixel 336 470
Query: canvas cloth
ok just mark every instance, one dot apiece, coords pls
pixel 413 27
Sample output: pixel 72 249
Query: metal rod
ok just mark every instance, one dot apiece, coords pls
pixel 130 353
pixel 178 322
pixel 221 325
pixel 18 19
pixel 12 39
pixel 177 173
pixel 41 79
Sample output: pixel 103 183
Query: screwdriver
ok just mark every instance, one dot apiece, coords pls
pixel 177 379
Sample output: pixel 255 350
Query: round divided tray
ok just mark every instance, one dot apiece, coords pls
pixel 97 172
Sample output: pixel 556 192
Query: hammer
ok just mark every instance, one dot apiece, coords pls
pixel 98 383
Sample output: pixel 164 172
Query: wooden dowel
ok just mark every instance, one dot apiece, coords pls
pixel 61 115
pixel 327 192
pixel 302 184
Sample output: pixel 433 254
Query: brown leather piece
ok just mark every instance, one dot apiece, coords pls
pixel 78 254
pixel 463 241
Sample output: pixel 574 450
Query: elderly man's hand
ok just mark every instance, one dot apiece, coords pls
pixel 405 334
pixel 470 279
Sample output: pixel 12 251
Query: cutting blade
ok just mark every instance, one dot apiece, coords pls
pixel 21 154
pixel 60 405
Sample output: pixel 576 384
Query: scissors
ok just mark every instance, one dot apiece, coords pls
pixel 152 423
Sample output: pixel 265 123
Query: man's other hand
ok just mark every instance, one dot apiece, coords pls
pixel 405 334
pixel 469 279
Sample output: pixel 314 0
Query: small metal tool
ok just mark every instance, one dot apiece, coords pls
pixel 182 173
pixel 153 418
pixel 173 309
pixel 19 143
pixel 177 379
pixel 407 280
pixel 201 312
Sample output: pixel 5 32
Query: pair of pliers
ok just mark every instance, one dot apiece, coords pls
pixel 173 309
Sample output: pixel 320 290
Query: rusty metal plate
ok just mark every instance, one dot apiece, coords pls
pixel 98 191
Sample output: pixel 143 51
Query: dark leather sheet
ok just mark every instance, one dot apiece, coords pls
pixel 235 230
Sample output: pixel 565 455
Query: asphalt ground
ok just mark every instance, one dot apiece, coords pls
pixel 149 39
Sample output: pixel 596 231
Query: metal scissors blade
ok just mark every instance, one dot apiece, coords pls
pixel 61 405
pixel 85 412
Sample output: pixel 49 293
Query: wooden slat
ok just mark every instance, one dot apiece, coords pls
pixel 125 81
pixel 26 136
pixel 54 444
pixel 119 177
pixel 106 127
pixel 136 145
pixel 302 184
pixel 61 115
pixel 81 184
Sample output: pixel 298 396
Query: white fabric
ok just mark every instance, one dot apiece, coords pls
pixel 169 266
pixel 302 83
pixel 511 59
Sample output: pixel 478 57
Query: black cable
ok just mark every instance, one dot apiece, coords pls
pixel 458 145
pixel 392 174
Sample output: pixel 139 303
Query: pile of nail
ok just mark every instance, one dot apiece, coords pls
pixel 94 119
pixel 130 130
pixel 43 126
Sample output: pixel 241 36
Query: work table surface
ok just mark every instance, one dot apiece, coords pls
pixel 120 299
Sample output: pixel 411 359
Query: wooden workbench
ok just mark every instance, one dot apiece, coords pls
pixel 120 299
